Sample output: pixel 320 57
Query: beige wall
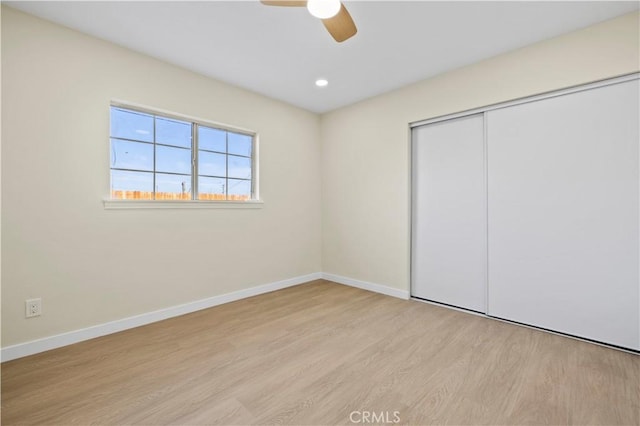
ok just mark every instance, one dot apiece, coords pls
pixel 92 265
pixel 365 147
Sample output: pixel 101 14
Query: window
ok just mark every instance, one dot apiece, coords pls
pixel 157 157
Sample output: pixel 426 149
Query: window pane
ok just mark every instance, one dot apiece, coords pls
pixel 173 160
pixel 131 155
pixel 173 132
pixel 212 164
pixel 211 188
pixel 239 189
pixel 131 185
pixel 240 144
pixel 173 187
pixel 131 125
pixel 212 139
pixel 151 158
pixel 239 167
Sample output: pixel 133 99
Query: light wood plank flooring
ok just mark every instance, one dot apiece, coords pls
pixel 315 353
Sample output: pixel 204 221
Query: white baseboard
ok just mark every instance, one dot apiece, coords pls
pixel 41 345
pixel 36 346
pixel 377 288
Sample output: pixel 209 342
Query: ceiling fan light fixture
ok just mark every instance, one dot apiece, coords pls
pixel 323 9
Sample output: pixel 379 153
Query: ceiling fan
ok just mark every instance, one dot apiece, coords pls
pixel 333 14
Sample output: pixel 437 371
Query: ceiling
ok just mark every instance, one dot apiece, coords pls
pixel 281 51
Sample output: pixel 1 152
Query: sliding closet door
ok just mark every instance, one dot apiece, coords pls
pixel 449 213
pixel 563 196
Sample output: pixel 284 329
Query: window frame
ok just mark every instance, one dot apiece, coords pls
pixel 193 202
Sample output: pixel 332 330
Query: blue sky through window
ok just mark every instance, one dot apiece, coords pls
pixel 142 142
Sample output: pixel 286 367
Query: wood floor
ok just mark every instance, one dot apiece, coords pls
pixel 323 353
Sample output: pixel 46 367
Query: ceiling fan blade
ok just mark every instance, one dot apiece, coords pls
pixel 341 26
pixel 292 3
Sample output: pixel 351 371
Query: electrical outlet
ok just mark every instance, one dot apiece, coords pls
pixel 33 307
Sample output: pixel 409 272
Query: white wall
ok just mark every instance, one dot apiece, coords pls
pixel 92 265
pixel 365 147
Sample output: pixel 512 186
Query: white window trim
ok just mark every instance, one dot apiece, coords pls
pixel 257 203
pixel 180 204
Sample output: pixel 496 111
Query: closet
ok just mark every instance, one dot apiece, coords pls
pixel 449 213
pixel 529 211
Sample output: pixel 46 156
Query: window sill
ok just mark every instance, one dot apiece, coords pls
pixel 191 204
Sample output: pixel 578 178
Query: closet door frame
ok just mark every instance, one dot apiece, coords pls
pixel 527 99
pixel 484 110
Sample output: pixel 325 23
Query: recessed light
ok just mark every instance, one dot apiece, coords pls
pixel 321 82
